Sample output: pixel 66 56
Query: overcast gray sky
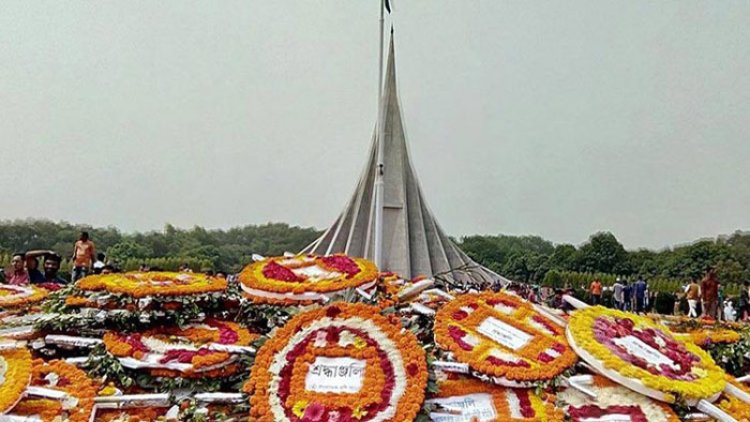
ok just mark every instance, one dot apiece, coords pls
pixel 551 118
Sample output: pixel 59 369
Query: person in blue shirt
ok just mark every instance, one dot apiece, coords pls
pixel 32 266
pixel 52 277
pixel 639 291
pixel 627 296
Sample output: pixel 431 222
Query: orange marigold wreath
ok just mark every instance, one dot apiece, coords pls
pixel 62 376
pixel 508 404
pixel 142 414
pixel 195 338
pixel 304 278
pixel 500 335
pixel 17 296
pixel 15 375
pixel 140 284
pixel 344 362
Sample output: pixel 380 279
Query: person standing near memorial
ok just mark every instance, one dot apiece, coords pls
pixel 627 296
pixel 744 310
pixel 693 294
pixel 617 294
pixel 639 292
pixel 710 293
pixel 84 254
pixel 17 275
pixel 596 292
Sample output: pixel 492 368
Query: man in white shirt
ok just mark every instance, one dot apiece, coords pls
pixel 99 263
pixel 617 294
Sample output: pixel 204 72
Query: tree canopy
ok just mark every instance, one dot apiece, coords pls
pixel 529 258
pixel 522 258
pixel 226 250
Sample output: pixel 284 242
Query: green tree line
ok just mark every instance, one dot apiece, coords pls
pixel 530 259
pixel 533 259
pixel 226 250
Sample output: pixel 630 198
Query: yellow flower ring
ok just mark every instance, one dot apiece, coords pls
pixel 17 296
pixel 702 332
pixel 707 337
pixel 139 285
pixel 471 397
pixel 612 398
pixel 185 352
pixel 15 375
pixel 502 336
pixel 733 405
pixel 62 376
pixel 644 356
pixel 305 279
pixel 344 362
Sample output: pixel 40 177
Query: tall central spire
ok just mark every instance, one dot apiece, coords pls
pixel 413 242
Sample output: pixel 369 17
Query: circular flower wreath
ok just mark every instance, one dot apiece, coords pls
pixel 707 337
pixel 510 404
pixel 188 345
pixel 640 349
pixel 17 296
pixel 20 324
pixel 305 278
pixel 139 285
pixel 344 362
pixel 62 376
pixel 612 398
pixel 734 406
pixel 15 375
pixel 703 332
pixel 140 414
pixel 502 336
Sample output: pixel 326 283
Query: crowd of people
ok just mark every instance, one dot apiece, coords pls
pixel 24 266
pixel 627 297
pixel 705 298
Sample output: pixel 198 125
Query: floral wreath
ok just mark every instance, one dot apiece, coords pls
pixel 500 335
pixel 62 376
pixel 735 406
pixel 15 375
pixel 140 414
pixel 612 398
pixel 142 284
pixel 707 337
pixel 344 362
pixel 638 348
pixel 186 348
pixel 12 296
pixel 703 332
pixel 21 324
pixel 305 278
pixel 510 404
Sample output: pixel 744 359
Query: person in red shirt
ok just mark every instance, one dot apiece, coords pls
pixel 710 294
pixel 17 274
pixel 84 255
pixel 596 292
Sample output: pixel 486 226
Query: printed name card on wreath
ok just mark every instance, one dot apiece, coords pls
pixel 335 375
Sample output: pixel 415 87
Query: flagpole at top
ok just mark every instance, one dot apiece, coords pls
pixel 379 182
